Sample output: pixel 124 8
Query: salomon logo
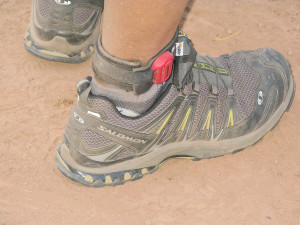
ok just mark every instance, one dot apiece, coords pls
pixel 122 136
pixel 63 2
pixel 78 118
pixel 260 98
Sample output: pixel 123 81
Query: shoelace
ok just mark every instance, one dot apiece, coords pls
pixel 213 75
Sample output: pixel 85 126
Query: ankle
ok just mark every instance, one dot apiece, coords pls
pixel 137 50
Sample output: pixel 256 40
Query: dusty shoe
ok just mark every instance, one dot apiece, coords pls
pixel 207 107
pixel 63 30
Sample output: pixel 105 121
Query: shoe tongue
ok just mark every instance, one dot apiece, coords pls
pixel 182 45
pixel 184 60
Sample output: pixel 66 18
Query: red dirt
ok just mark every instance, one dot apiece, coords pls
pixel 257 186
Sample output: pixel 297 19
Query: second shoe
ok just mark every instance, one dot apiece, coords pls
pixel 64 30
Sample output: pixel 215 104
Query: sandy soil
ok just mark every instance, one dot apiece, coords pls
pixel 257 186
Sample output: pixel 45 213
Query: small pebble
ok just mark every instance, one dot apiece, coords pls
pixel 290 53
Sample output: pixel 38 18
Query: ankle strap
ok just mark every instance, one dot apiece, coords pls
pixel 128 75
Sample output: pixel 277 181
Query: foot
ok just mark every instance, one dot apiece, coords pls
pixel 63 30
pixel 209 107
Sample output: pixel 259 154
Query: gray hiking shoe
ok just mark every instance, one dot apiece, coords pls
pixel 63 30
pixel 208 107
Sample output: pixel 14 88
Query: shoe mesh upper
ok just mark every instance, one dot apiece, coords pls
pixel 99 103
pixel 242 79
pixel 221 62
pixel 44 7
pixel 93 139
pixel 82 15
pixel 176 116
pixel 203 95
pixel 222 96
pixel 245 82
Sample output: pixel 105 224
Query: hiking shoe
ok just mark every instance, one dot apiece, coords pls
pixel 208 107
pixel 63 30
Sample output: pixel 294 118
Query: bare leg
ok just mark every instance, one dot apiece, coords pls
pixel 137 30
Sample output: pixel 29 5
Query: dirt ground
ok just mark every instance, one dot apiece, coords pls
pixel 260 185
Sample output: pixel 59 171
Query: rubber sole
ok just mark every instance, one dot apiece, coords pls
pixel 76 57
pixel 135 169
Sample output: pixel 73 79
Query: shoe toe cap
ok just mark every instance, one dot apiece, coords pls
pixel 275 80
pixel 277 67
